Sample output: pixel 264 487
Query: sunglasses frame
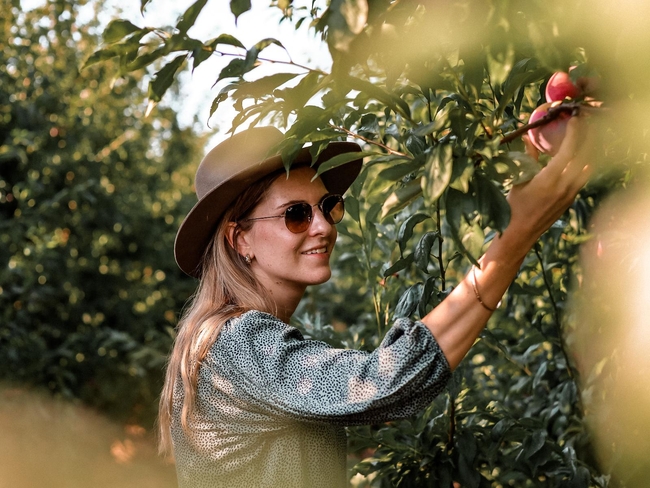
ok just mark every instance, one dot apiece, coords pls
pixel 309 215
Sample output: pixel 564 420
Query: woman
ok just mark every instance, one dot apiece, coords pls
pixel 247 401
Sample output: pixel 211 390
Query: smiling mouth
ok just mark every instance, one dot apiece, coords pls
pixel 321 250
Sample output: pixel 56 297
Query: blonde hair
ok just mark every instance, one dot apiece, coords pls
pixel 227 288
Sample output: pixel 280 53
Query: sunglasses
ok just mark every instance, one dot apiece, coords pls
pixel 298 216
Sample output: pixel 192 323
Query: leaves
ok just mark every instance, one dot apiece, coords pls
pixel 437 172
pixel 117 29
pixel 408 302
pixel 238 7
pixel 406 229
pixel 400 198
pixel 492 204
pixel 423 249
pixel 164 78
pixel 341 159
pixel 190 15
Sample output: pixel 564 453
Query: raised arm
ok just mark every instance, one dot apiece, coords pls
pixel 535 205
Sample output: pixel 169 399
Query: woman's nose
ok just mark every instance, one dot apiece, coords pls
pixel 319 225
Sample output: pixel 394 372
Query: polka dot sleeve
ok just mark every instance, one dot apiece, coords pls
pixel 270 366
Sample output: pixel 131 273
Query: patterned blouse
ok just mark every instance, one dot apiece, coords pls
pixel 271 405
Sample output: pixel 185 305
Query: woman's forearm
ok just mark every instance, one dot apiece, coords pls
pixel 535 205
pixel 460 318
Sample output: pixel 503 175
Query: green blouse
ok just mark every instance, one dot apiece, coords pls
pixel 271 406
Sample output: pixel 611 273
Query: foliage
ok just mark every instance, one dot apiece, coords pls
pixel 437 92
pixel 91 194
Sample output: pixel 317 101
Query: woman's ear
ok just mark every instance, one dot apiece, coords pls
pixel 237 239
pixel 231 234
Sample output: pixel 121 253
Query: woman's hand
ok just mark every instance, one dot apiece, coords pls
pixel 535 205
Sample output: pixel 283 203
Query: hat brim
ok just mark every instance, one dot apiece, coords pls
pixel 200 224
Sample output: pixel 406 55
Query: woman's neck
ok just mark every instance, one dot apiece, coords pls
pixel 286 301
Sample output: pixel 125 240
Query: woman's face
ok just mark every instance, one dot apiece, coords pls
pixel 284 262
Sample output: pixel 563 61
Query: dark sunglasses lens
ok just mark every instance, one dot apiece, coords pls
pixel 298 217
pixel 333 208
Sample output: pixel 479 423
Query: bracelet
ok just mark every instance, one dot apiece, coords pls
pixel 478 295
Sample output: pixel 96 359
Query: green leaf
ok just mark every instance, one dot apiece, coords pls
pixel 234 69
pixel 396 172
pixel 128 50
pixel 438 124
pixel 534 443
pixel 344 231
pixel 188 18
pixel 408 302
pixel 227 39
pixel 427 293
pixel 253 53
pixel 179 42
pixel 117 30
pixel 298 96
pixel 462 172
pixel 163 79
pixel 400 198
pixel 341 159
pixel 422 251
pixel 500 429
pixel 101 55
pixel 539 375
pixel 393 101
pixel 456 205
pixel 437 172
pixel 352 207
pixel 492 204
pixel 399 265
pixel 406 229
pixel 204 51
pixel 262 86
pixel 143 4
pixel 238 7
pixel 148 58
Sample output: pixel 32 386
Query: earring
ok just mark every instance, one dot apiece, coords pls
pixel 248 259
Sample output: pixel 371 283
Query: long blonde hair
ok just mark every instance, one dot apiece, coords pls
pixel 227 288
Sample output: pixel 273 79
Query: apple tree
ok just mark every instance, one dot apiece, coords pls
pixel 439 93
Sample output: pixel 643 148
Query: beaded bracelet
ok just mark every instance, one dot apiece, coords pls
pixel 478 295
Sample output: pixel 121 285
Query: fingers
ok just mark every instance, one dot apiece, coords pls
pixel 567 150
pixel 531 150
pixel 579 169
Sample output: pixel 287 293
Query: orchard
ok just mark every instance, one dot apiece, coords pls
pixel 439 94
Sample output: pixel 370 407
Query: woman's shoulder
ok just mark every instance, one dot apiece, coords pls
pixel 252 318
pixel 250 334
pixel 256 322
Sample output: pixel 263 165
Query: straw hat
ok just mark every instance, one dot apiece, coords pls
pixel 230 168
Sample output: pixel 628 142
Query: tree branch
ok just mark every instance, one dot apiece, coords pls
pixel 275 61
pixel 553 113
pixel 369 141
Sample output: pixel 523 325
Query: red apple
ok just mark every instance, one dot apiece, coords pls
pixel 560 86
pixel 548 138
